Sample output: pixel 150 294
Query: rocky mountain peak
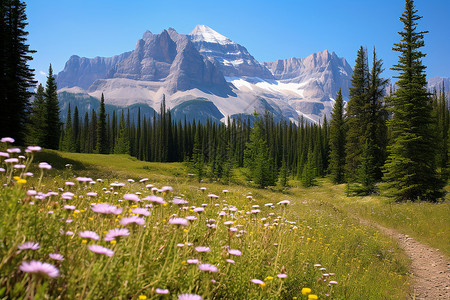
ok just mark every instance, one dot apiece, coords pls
pixel 203 33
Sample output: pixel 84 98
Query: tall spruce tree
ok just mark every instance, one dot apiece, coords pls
pixel 102 140
pixel 122 144
pixel 68 140
pixel 337 141
pixel 410 169
pixel 257 156
pixel 36 132
pixel 76 129
pixel 16 76
pixel 356 116
pixel 53 130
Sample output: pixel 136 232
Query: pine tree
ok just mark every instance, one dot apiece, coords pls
pixel 76 129
pixel 337 141
pixel 102 140
pixel 16 76
pixel 197 157
pixel 53 130
pixel 37 123
pixel 122 145
pixel 308 178
pixel 410 169
pixel 68 141
pixel 257 156
pixel 356 116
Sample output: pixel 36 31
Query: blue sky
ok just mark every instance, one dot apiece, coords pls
pixel 269 30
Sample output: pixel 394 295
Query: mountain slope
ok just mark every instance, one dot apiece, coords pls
pixel 206 64
pixel 234 59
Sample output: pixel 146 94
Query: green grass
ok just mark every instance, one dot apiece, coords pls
pixel 366 264
pixel 426 222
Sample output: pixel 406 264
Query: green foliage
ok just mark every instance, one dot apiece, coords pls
pixel 256 157
pixel 38 115
pixel 308 172
pixel 16 76
pixel 53 123
pixel 122 144
pixel 337 141
pixel 102 141
pixel 68 140
pixel 410 169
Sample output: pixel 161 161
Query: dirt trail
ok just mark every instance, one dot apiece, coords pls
pixel 430 268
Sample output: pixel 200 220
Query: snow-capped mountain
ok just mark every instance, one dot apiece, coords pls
pixel 234 59
pixel 208 66
pixel 436 83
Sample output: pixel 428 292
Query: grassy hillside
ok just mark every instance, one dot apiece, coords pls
pixel 315 228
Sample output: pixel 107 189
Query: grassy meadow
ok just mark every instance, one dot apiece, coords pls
pixel 208 239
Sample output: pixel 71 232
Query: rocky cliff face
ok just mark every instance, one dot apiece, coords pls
pixel 234 59
pixel 169 59
pixel 82 71
pixel 322 74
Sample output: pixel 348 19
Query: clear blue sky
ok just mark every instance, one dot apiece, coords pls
pixel 269 30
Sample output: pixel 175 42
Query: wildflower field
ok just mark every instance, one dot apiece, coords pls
pixel 86 226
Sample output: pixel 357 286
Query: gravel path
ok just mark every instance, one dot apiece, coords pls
pixel 429 267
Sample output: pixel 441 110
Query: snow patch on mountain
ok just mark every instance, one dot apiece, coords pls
pixel 206 34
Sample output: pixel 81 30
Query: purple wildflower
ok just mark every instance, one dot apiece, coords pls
pixel 7 140
pixel 12 160
pixel 84 179
pixel 189 297
pixel 234 252
pixel 34 148
pixel 132 219
pixel 116 232
pixel 284 202
pixel 101 250
pixel 105 208
pixel 155 199
pixel 131 197
pixel 89 235
pixel 39 268
pixel 179 221
pixel 13 150
pixel 192 261
pixel 161 291
pixel 141 211
pixel 199 209
pixel 202 249
pixel 179 201
pixel 29 246
pixel 257 281
pixel 44 165
pixel 56 256
pixel 281 276
pixel 208 268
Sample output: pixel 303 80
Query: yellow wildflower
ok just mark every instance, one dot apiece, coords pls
pixel 84 241
pixel 268 278
pixel 312 297
pixel 142 297
pixel 113 242
pixel 306 291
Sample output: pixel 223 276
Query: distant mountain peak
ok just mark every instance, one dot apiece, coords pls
pixel 203 33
